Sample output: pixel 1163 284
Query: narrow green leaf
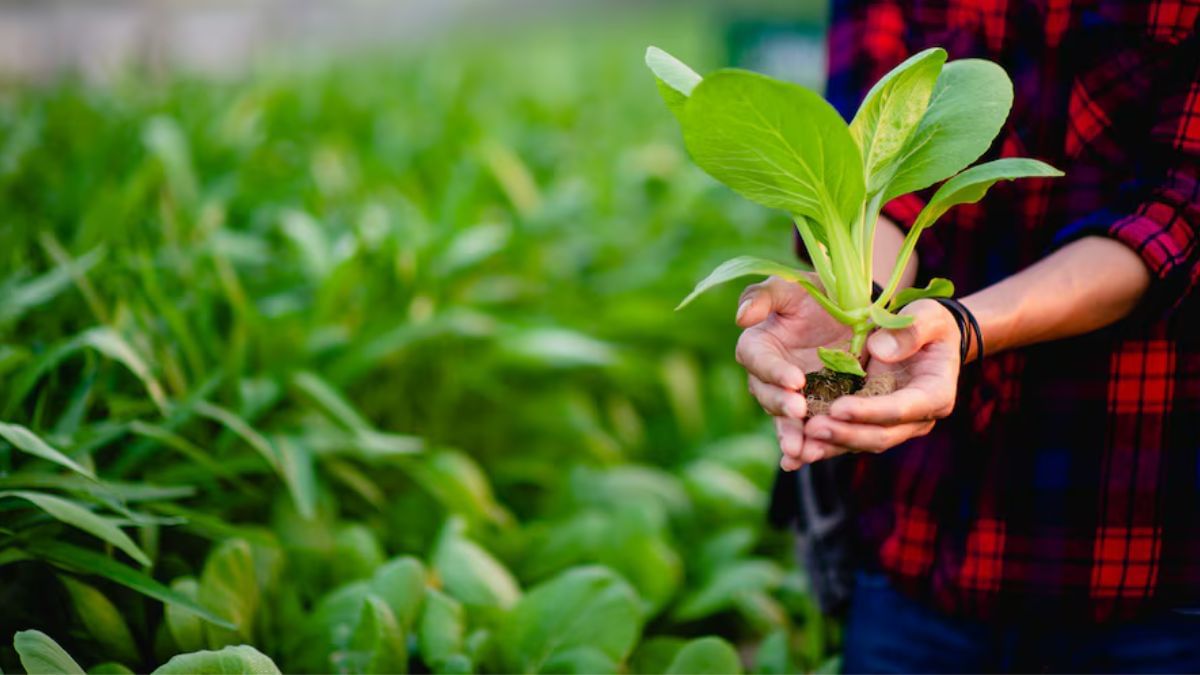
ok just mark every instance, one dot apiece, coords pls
pixel 706 655
pixel 81 560
pixel 840 361
pixel 111 344
pixel 671 71
pixel 891 112
pixel 743 266
pixel 41 655
pixel 970 102
pixel 79 516
pixel 239 660
pixel 936 288
pixel 28 442
pixel 102 620
pixel 886 319
pixel 971 185
pixel 242 429
pixel 775 143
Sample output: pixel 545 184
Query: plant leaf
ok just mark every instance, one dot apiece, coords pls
pixel 41 655
pixel 378 643
pixel 585 607
pixel 936 288
pixel 228 585
pixel 185 627
pixel 892 110
pixel 671 71
pixel 239 660
pixel 441 631
pixel 840 361
pixel 705 655
pixel 471 574
pixel 775 143
pixel 102 620
pixel 28 442
pixel 82 560
pixel 886 319
pixel 971 185
pixel 742 266
pixel 970 102
pixel 75 515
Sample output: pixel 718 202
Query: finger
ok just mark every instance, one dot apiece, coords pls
pixel 790 433
pixel 861 437
pixel 759 300
pixel 789 464
pixel 778 401
pixel 927 397
pixel 815 451
pixel 894 345
pixel 763 357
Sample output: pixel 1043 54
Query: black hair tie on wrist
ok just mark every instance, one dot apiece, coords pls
pixel 968 328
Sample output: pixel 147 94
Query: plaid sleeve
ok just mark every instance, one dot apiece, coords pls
pixel 1163 225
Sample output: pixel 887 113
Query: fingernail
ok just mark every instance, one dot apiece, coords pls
pixel 742 309
pixel 822 433
pixel 885 344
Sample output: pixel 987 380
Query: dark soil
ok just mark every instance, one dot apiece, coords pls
pixel 825 386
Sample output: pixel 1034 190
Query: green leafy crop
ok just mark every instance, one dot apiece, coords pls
pixel 783 146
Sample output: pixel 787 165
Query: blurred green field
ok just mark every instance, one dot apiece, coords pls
pixel 376 364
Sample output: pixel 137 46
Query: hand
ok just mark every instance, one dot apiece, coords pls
pixel 924 358
pixel 784 326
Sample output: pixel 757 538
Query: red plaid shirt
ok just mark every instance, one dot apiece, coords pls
pixel 1068 481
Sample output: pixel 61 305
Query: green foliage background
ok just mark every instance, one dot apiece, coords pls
pixel 375 363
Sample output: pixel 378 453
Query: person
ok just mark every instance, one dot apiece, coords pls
pixel 1040 508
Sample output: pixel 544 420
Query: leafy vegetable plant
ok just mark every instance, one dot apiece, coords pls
pixel 783 146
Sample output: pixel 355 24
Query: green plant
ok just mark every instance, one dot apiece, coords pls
pixel 783 146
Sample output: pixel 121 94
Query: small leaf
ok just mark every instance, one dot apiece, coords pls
pixel 671 71
pixel 228 585
pixel 441 633
pixel 937 288
pixel 102 620
pixel 742 266
pixel 378 643
pixel 41 655
pixel 28 442
pixel 971 185
pixel 471 574
pixel 840 361
pixel 185 627
pixel 76 515
pixel 239 660
pixel 886 319
pixel 401 584
pixel 706 655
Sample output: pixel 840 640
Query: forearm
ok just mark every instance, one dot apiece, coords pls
pixel 1082 287
pixel 888 239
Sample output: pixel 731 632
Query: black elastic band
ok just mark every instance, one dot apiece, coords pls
pixel 968 328
pixel 876 291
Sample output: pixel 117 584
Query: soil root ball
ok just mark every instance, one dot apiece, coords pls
pixel 826 386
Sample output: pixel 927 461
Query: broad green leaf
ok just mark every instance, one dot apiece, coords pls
pixel 891 112
pixel 185 627
pixel 971 185
pixel 102 620
pixel 326 631
pixel 28 442
pixel 238 660
pixel 706 655
pixel 582 660
pixel 840 361
pixel 378 643
pixel 471 574
pixel 109 668
pixel 936 288
pixel 82 560
pixel 585 607
pixel 460 484
pixel 401 584
pixel 742 266
pixel 970 102
pixel 655 654
pixel 886 319
pixel 77 515
pixel 229 585
pixel 774 654
pixel 41 655
pixel 356 553
pixel 718 592
pixel 441 632
pixel 671 71
pixel 775 143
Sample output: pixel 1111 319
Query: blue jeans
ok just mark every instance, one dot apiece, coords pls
pixel 887 632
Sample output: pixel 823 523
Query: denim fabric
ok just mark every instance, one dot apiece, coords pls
pixel 887 632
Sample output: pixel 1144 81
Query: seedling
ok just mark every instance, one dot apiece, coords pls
pixel 781 145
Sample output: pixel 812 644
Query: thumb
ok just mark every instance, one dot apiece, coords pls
pixel 898 344
pixel 759 300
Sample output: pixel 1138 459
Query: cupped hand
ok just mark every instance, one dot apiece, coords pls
pixel 784 326
pixel 924 359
